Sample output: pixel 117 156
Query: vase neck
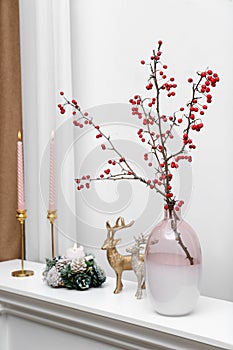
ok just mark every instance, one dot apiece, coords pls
pixel 172 214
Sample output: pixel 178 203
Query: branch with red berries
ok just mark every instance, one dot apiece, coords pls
pixel 156 131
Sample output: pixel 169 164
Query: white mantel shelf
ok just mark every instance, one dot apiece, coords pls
pixel 98 319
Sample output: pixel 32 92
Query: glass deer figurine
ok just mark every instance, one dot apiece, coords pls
pixel 138 263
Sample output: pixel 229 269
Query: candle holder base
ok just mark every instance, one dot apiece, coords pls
pixel 22 273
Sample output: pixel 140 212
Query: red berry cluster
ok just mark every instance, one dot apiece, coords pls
pixel 83 182
pixel 140 135
pixel 177 207
pixel 188 158
pixel 168 86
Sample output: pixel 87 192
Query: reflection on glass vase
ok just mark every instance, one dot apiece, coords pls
pixel 173 264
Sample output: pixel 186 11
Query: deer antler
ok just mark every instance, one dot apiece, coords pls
pixel 119 225
pixel 108 226
pixel 141 239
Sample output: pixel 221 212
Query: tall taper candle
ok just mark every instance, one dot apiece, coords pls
pixel 52 174
pixel 20 173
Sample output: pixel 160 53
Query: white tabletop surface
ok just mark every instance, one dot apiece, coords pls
pixel 210 323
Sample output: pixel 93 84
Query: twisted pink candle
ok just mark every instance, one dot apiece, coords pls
pixel 20 173
pixel 52 174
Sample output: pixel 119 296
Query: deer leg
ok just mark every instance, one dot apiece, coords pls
pixel 138 294
pixel 119 284
pixel 143 286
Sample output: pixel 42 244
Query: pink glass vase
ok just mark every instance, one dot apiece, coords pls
pixel 173 265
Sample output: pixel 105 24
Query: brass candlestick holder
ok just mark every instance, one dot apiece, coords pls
pixel 52 215
pixel 21 216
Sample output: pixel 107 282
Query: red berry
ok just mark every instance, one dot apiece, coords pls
pixel 165 66
pixel 180 120
pixel 143 62
pixel 190 80
pixel 61 93
pixel 181 109
pixel 210 72
pixel 160 42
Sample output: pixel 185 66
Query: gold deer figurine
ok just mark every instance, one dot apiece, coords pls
pixel 118 262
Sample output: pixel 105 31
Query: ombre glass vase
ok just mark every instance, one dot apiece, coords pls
pixel 173 264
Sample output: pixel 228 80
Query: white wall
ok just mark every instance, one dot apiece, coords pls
pixel 109 38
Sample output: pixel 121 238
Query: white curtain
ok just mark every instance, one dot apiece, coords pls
pixel 46 68
pixel 91 50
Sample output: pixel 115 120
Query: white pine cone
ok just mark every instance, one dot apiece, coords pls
pixel 78 265
pixel 61 264
pixel 53 277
